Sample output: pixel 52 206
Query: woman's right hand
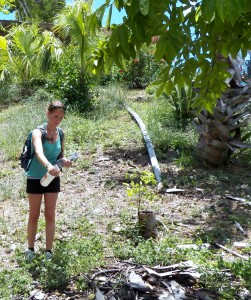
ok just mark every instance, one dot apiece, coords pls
pixel 53 170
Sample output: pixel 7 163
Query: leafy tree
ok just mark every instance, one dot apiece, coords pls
pixel 191 35
pixel 72 22
pixel 39 10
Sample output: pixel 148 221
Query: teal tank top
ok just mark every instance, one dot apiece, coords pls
pixel 51 152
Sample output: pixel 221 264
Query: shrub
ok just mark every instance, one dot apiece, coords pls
pixel 141 71
pixel 70 84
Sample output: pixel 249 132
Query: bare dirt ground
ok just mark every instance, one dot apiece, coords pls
pixel 98 194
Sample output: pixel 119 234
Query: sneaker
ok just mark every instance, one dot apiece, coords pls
pixel 30 255
pixel 48 255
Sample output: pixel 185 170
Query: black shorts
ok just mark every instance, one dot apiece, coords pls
pixel 34 187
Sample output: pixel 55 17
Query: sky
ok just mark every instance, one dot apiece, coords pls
pixel 116 18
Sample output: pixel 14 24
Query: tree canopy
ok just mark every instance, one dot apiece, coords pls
pixel 29 10
pixel 5 5
pixel 40 10
pixel 191 36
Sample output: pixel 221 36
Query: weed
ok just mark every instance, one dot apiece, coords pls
pixel 218 282
pixel 242 269
pixel 70 258
pixel 15 283
pixel 185 160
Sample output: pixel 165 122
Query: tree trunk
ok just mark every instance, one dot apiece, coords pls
pixel 220 131
pixel 211 151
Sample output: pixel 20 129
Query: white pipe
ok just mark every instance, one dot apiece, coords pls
pixel 149 145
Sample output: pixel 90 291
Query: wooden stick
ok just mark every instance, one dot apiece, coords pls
pixel 104 272
pixel 231 251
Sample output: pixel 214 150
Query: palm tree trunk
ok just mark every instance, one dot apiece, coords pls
pixel 220 131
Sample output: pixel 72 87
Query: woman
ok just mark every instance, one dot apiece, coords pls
pixel 43 161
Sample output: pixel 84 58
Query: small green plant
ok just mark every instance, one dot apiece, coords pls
pixel 185 160
pixel 15 284
pixel 70 258
pixel 181 98
pixel 139 190
pixel 242 269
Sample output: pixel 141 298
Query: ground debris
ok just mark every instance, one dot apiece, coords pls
pixel 133 281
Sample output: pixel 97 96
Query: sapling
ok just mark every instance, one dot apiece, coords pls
pixel 140 193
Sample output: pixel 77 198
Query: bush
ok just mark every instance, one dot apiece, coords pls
pixel 10 93
pixel 71 85
pixel 141 71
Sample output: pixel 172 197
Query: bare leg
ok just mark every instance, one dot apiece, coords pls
pixel 34 212
pixel 50 202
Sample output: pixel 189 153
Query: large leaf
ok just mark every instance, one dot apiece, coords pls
pixel 160 49
pixel 118 58
pixel 220 9
pixel 108 21
pixel 3 52
pixel 119 4
pixel 134 8
pixel 123 38
pixel 208 9
pixel 144 7
pixel 234 10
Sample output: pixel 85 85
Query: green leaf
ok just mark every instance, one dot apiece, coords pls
pixel 235 47
pixel 144 7
pixel 108 21
pixel 3 52
pixel 160 49
pixel 119 4
pixel 208 9
pixel 3 43
pixel 234 10
pixel 180 16
pixel 246 136
pixel 160 89
pixel 114 38
pixel 134 7
pixel 123 38
pixel 132 51
pixel 198 14
pixel 118 58
pixel 220 9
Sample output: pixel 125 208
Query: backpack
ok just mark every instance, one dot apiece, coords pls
pixel 27 155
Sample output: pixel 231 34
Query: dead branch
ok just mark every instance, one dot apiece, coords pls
pixel 232 252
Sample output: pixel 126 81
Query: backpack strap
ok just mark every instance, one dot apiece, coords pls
pixel 61 136
pixel 43 130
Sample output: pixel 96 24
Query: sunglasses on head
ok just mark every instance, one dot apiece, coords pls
pixel 55 107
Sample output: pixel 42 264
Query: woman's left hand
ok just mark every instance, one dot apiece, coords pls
pixel 67 162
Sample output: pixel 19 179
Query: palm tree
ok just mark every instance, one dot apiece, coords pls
pixel 28 51
pixel 72 23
